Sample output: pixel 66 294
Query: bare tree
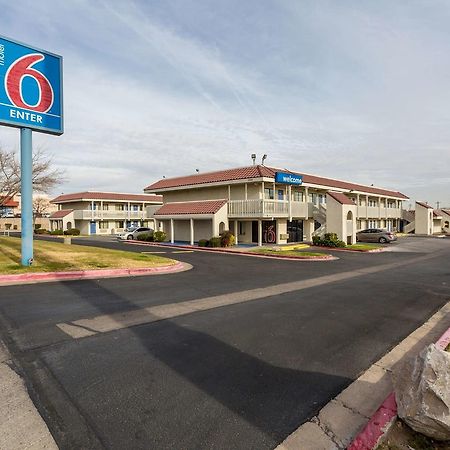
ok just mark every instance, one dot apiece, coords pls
pixel 41 205
pixel 45 177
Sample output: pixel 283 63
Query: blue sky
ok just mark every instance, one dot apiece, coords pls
pixel 356 90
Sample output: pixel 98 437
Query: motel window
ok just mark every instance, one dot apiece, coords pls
pixel 105 206
pixel 119 207
pixel 119 224
pixel 372 202
pixel 280 194
pixel 103 225
pixel 297 196
pixel 268 193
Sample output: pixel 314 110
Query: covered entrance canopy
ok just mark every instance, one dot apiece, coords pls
pixel 192 221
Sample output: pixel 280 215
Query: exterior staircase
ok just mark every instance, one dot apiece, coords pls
pixel 319 213
pixel 410 217
pixel 410 227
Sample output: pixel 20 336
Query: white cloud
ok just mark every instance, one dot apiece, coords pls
pixel 349 90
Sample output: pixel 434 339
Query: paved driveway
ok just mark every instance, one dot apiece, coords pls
pixel 234 354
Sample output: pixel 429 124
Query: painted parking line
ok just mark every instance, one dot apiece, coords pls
pixel 152 253
pixel 183 251
pixel 117 321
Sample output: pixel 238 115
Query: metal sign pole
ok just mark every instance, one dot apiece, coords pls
pixel 26 185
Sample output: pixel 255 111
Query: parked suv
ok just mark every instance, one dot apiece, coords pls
pixel 133 232
pixel 375 235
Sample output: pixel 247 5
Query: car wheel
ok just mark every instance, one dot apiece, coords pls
pixel 129 237
pixel 382 240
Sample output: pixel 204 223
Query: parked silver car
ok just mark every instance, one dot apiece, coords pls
pixel 133 232
pixel 375 235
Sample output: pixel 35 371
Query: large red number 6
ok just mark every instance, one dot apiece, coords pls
pixel 13 83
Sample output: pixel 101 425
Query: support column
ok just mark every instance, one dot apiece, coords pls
pixel 192 231
pixel 172 237
pixel 26 174
pixel 307 201
pixel 259 233
pixel 236 231
pixel 308 229
pixel 290 201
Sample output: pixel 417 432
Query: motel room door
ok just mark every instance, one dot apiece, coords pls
pixel 295 230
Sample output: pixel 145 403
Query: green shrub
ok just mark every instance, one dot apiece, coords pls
pixel 41 231
pixel 328 240
pixel 203 243
pixel 215 242
pixel 57 232
pixel 159 236
pixel 227 239
pixel 72 232
pixel 37 226
pixel 147 237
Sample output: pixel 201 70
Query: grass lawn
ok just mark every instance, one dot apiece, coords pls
pixel 363 247
pixel 293 253
pixel 55 256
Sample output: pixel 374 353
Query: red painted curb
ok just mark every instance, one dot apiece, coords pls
pixel 234 252
pixel 377 425
pixel 369 437
pixel 88 274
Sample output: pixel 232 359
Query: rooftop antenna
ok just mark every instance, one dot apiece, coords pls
pixel 254 158
pixel 164 176
pixel 263 159
pixel 438 204
pixel 197 170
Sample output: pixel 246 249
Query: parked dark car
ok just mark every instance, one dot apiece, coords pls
pixel 376 235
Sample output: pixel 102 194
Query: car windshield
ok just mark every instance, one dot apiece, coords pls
pixel 131 229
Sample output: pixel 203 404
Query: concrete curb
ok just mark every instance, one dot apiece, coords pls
pixel 234 252
pixel 385 415
pixel 37 277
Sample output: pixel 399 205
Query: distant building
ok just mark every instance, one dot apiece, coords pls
pixel 103 212
pixel 261 204
pixel 427 220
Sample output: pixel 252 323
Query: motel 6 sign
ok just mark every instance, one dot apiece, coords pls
pixel 30 88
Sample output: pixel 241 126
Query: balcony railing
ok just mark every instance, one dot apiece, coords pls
pixel 265 208
pixel 374 212
pixel 98 214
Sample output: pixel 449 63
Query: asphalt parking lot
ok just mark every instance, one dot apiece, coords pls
pixel 278 340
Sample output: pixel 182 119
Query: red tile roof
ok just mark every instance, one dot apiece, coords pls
pixel 260 172
pixel 61 213
pixel 80 196
pixel 201 207
pixel 425 205
pixel 8 202
pixel 341 198
pixel 445 211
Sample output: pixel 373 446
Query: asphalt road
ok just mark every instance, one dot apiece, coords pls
pixel 240 376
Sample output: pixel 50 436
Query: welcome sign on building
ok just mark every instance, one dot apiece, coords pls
pixel 31 88
pixel 288 178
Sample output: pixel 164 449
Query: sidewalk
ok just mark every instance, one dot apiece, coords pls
pixel 21 426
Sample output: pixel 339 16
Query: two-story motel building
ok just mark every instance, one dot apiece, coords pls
pixel 261 204
pixel 103 212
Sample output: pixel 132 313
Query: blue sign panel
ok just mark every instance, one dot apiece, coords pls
pixel 30 88
pixel 288 178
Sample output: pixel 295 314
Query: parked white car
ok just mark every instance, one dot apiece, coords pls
pixel 133 232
